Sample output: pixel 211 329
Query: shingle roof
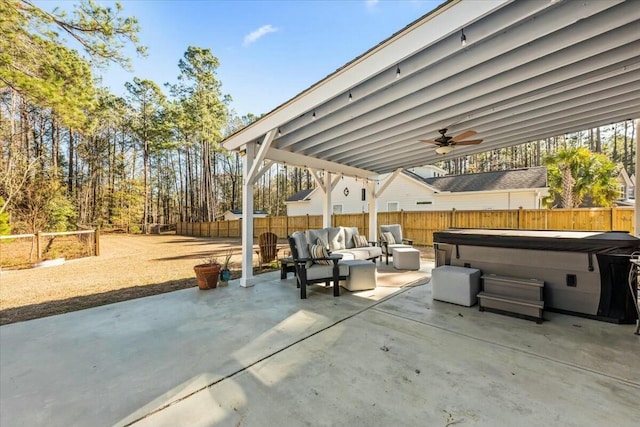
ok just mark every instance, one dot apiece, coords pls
pixel 498 180
pixel 300 195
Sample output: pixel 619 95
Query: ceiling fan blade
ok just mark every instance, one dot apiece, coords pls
pixel 428 141
pixel 469 142
pixel 464 135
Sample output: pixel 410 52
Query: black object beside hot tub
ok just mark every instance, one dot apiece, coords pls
pixel 585 272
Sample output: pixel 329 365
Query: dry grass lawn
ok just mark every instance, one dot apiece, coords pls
pixel 129 266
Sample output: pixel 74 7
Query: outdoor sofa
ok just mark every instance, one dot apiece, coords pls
pixel 329 255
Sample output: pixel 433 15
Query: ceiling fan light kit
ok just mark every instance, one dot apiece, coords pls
pixel 445 149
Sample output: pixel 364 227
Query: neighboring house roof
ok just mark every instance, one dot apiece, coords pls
pixel 488 181
pixel 624 176
pixel 239 212
pixel 301 195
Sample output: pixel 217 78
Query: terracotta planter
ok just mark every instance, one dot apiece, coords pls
pixel 207 275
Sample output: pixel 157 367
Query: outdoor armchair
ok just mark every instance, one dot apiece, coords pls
pixel 311 270
pixel 267 248
pixel 391 238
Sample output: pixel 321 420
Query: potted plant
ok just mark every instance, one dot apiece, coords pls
pixel 207 273
pixel 225 273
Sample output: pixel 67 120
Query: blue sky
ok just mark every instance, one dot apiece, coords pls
pixel 269 51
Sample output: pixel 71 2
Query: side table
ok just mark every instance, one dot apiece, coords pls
pixel 286 266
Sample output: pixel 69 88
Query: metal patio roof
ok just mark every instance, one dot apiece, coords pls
pixel 529 70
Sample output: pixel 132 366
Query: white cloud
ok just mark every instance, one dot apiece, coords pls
pixel 260 32
pixel 371 3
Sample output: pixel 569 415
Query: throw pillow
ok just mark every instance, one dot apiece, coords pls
pixel 319 251
pixel 387 236
pixel 320 241
pixel 360 241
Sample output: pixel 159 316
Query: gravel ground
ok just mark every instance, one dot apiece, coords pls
pixel 129 266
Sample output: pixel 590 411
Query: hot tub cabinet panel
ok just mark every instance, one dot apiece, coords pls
pixel 584 273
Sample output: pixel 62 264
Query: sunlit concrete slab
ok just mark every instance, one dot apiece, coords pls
pixel 114 364
pixel 609 349
pixel 384 367
pixel 261 356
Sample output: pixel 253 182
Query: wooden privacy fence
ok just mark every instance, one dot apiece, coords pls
pixel 420 225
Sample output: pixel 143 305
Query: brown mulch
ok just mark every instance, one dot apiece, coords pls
pixel 129 267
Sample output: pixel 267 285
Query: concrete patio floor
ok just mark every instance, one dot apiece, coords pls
pixel 260 356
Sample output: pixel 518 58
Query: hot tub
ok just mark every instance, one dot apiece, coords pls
pixel 584 272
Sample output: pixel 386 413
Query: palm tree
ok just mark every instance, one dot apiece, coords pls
pixel 577 174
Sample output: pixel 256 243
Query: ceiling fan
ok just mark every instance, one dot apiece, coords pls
pixel 446 143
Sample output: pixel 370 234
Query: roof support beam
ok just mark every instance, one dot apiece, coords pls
pixel 387 182
pixel 255 173
pixel 316 177
pixel 297 159
pixel 267 165
pixel 321 185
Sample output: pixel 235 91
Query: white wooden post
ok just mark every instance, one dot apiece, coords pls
pixel 247 278
pixel 373 211
pixel 326 206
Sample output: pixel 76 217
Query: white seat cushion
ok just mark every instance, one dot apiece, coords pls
pixel 406 259
pixel 318 271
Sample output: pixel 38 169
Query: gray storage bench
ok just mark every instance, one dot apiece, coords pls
pixel 457 285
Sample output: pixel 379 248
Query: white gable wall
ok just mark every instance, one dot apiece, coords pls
pixel 307 207
pixel 486 200
pixel 412 195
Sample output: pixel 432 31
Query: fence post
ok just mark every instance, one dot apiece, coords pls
pixel 453 217
pixel 96 236
pixel 308 222
pixel 613 218
pixel 38 245
pixel 520 218
pixel 286 225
